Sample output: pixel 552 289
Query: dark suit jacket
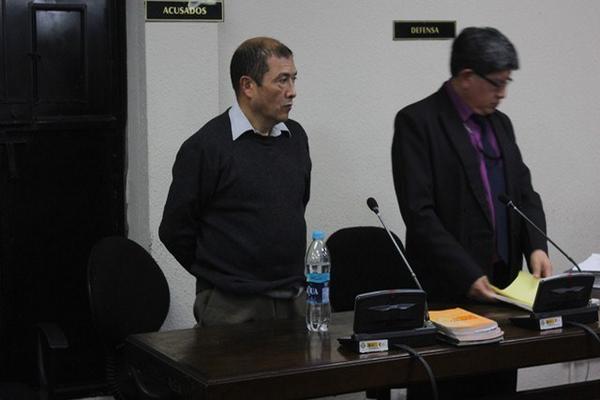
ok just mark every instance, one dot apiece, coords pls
pixel 449 237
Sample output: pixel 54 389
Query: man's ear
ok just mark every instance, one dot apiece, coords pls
pixel 465 77
pixel 247 86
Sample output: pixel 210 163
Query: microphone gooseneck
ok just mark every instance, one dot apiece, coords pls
pixel 372 203
pixel 509 203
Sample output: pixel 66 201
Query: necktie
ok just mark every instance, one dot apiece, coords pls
pixel 495 172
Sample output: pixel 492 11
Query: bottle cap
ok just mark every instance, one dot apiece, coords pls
pixel 318 235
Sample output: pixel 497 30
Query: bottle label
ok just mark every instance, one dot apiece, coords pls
pixel 317 290
pixel 318 278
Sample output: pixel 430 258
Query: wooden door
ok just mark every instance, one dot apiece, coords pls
pixel 62 118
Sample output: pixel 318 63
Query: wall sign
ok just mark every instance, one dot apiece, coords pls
pixel 178 10
pixel 424 30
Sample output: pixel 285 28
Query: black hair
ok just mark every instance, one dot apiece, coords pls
pixel 250 59
pixel 484 50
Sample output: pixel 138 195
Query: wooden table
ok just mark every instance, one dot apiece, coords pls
pixel 280 360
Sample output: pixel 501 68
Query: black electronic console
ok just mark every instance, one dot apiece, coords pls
pixel 389 310
pixel 564 291
pixel 385 318
pixel 560 299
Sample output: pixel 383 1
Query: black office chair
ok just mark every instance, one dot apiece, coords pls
pixel 128 294
pixel 364 259
pixel 50 341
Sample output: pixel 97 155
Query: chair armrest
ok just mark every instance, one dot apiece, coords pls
pixel 55 338
pixel 49 337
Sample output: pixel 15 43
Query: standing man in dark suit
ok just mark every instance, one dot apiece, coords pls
pixel 453 153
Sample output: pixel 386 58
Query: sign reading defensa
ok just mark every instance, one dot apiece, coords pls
pixel 424 30
pixel 209 10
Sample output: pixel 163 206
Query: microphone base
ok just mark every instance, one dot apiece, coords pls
pixel 557 319
pixel 373 342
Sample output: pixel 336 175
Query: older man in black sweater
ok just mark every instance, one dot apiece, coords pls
pixel 234 216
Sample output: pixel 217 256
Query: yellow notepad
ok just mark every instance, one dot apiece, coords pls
pixel 521 292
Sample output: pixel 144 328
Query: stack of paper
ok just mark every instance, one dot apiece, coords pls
pixel 592 264
pixel 521 292
pixel 463 328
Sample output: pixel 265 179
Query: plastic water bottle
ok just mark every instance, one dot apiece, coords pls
pixel 318 311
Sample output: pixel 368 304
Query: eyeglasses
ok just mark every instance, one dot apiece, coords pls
pixel 499 85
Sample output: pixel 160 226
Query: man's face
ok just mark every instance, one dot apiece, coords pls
pixel 486 91
pixel 272 100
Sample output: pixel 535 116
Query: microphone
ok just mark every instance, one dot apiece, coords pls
pixel 387 318
pixel 372 203
pixel 508 203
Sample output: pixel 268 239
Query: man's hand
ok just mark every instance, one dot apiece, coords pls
pixel 540 264
pixel 481 290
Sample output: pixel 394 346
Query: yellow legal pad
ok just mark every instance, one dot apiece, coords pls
pixel 521 291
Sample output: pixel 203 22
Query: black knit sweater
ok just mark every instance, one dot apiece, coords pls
pixel 234 215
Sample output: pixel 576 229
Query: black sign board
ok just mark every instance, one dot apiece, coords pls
pixel 184 11
pixel 424 30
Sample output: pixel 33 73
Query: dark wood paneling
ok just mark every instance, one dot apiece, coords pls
pixel 2 57
pixel 62 119
pixel 59 68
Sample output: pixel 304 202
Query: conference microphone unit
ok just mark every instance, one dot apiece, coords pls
pixel 504 199
pixel 559 299
pixel 386 318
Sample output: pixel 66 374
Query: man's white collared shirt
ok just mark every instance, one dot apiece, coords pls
pixel 240 124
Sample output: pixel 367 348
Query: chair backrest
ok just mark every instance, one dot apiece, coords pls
pixel 127 290
pixel 363 259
